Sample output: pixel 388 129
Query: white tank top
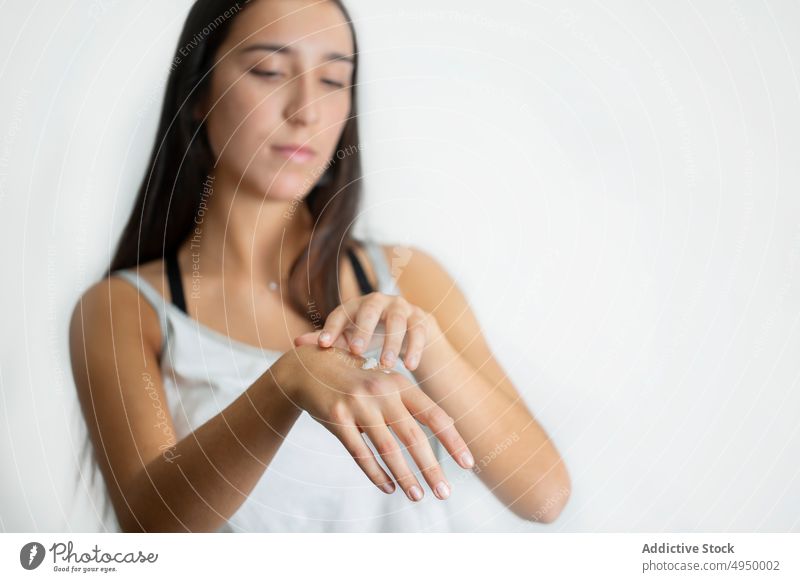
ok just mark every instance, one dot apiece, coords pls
pixel 312 484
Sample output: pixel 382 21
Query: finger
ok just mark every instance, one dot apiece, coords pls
pixel 377 339
pixel 369 314
pixel 354 442
pixel 305 339
pixel 336 321
pixel 312 338
pixel 389 450
pixel 395 329
pixel 417 339
pixel 434 417
pixel 411 434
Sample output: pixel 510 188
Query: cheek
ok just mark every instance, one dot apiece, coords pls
pixel 238 124
pixel 335 114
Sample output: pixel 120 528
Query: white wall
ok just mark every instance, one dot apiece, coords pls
pixel 614 185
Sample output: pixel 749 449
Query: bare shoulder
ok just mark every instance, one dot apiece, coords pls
pixel 420 277
pixel 115 342
pixel 114 306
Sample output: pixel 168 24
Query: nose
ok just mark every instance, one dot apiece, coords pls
pixel 302 108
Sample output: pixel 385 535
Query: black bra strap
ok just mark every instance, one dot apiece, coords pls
pixel 363 282
pixel 175 283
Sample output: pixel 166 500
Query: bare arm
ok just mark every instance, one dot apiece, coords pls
pixel 155 483
pixel 514 456
pixel 212 471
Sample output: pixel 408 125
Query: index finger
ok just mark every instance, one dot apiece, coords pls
pixel 336 322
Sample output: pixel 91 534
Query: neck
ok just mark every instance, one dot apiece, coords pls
pixel 252 237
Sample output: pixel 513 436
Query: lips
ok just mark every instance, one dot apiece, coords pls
pixel 295 152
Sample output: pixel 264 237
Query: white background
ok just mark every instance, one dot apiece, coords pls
pixel 614 185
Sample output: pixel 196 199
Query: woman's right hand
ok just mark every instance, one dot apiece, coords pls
pixel 332 387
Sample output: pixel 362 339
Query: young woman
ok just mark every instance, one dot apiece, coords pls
pixel 219 362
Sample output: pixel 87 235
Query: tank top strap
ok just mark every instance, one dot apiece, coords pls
pixel 380 265
pixel 153 297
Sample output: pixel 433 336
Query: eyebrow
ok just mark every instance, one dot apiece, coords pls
pixel 286 49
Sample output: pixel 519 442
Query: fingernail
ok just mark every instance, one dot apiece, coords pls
pixel 467 460
pixel 324 337
pixel 442 490
pixel 412 361
pixel 387 488
pixel 358 343
pixel 415 493
pixel 389 358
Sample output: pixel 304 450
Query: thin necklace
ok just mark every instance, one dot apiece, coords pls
pixel 274 285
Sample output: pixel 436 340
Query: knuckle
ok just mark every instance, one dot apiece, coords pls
pixel 355 452
pixel 411 433
pixel 387 446
pixel 395 316
pixel 373 386
pixel 440 418
pixel 432 471
pixel 338 411
pixel 433 474
pixel 364 456
pixel 402 303
pixel 370 310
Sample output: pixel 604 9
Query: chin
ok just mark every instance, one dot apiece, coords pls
pixel 287 186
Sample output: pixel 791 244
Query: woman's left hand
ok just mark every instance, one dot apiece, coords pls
pixel 356 325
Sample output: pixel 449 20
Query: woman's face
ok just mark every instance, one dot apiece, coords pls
pixel 263 97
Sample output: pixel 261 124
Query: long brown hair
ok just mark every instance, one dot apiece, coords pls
pixel 171 191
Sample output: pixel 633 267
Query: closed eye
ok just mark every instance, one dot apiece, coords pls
pixel 265 73
pixel 271 74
